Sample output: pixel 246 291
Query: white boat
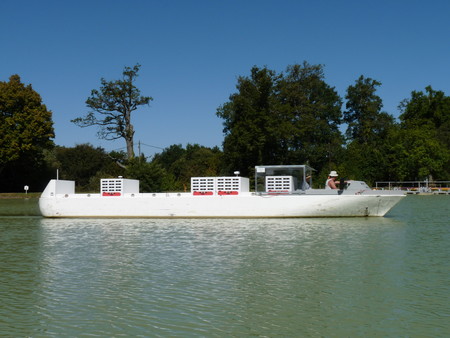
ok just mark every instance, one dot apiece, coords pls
pixel 279 191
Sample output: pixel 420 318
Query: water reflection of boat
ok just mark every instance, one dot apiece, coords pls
pixel 279 191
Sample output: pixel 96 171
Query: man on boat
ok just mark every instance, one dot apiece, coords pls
pixel 331 181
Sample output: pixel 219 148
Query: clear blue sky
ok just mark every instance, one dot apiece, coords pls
pixel 192 52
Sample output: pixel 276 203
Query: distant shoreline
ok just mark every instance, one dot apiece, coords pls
pixel 10 195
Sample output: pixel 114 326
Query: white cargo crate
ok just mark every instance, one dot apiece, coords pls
pixel 203 184
pixel 118 186
pixel 231 185
pixel 280 184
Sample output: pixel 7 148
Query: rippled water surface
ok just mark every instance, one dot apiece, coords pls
pixel 181 278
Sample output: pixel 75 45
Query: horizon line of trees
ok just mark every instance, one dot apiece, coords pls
pixel 290 117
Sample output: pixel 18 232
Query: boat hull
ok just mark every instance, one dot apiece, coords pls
pixel 184 205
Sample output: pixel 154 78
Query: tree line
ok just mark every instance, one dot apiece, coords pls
pixel 289 117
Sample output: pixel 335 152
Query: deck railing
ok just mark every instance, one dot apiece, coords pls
pixel 424 186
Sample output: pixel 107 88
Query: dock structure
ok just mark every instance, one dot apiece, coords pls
pixel 425 187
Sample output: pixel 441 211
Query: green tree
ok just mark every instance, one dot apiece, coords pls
pixel 417 154
pixel 311 113
pixel 431 108
pixel 26 129
pixel 281 119
pixel 169 156
pixel 151 175
pixel 112 106
pixel 199 161
pixel 366 122
pixel 250 122
pixel 180 164
pixel 368 127
pixel 422 144
pixel 83 162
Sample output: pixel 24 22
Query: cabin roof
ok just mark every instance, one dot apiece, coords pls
pixel 262 168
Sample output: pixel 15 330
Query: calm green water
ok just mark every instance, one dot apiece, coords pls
pixel 227 278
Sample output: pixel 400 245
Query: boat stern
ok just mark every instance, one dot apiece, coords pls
pixel 54 188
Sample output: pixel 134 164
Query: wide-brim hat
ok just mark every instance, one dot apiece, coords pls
pixel 333 173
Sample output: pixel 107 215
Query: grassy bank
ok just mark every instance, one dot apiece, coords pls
pixel 5 195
